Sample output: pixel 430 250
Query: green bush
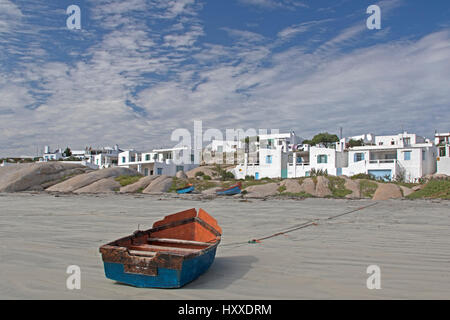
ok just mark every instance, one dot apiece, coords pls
pixel 435 189
pixel 363 176
pixel 206 177
pixel 199 174
pixel 127 180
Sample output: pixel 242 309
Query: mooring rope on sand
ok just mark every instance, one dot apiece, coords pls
pixel 307 224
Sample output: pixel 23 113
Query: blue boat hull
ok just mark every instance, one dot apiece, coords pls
pixel 165 278
pixel 229 192
pixel 186 190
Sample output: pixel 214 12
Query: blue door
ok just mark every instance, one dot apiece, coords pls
pixel 382 174
pixel 284 173
pixel 339 172
pixel 256 175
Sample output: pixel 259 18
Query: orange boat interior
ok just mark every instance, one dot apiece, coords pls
pixel 183 233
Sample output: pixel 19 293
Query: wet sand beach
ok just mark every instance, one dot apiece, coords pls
pixel 41 235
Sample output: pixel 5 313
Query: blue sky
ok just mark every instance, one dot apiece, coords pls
pixel 139 69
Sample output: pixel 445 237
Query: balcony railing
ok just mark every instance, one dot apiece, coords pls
pixel 381 161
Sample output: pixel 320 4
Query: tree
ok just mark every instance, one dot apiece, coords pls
pixel 355 143
pixel 67 152
pixel 325 138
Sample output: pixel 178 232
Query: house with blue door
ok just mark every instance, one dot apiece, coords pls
pixel 405 156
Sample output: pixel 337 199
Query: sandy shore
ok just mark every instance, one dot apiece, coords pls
pixel 40 235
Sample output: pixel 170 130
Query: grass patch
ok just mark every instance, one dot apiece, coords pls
pixel 127 180
pixel 337 187
pixel 282 189
pixel 367 188
pixel 435 189
pixel 296 195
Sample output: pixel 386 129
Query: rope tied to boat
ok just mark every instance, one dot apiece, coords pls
pixel 307 224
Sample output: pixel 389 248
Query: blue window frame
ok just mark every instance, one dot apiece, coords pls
pixel 322 158
pixel 268 159
pixel 124 159
pixel 159 171
pixel 358 157
pixel 147 157
pixel 407 155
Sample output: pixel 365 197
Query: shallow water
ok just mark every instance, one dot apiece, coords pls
pixel 41 235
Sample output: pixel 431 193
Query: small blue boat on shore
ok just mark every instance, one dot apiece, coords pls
pixel 176 251
pixel 235 189
pixel 188 189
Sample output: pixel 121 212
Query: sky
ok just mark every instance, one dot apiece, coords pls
pixel 139 69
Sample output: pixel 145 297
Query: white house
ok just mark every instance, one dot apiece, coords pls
pixel 442 141
pixel 158 162
pixel 270 157
pixel 52 156
pixel 404 156
pixel 223 151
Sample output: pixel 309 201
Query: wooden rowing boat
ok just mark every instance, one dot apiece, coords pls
pixel 234 189
pixel 188 189
pixel 176 251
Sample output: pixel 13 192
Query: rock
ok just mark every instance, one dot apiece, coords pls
pixel 181 175
pixel 140 185
pixel 86 179
pixel 387 191
pixel 101 186
pixel 406 191
pixel 263 190
pixel 159 185
pixel 322 187
pixel 292 186
pixel 353 186
pixel 418 187
pixel 211 191
pixel 207 170
pixel 23 177
pixel 308 186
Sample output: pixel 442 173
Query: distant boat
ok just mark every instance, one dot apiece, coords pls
pixel 234 189
pixel 176 251
pixel 188 189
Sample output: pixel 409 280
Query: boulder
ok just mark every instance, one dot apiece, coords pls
pixel 101 186
pixel 181 175
pixel 387 191
pixel 159 185
pixel 140 185
pixel 353 186
pixel 263 190
pixel 33 176
pixel 207 170
pixel 211 191
pixel 292 186
pixel 308 186
pixel 406 191
pixel 322 187
pixel 86 179
pixel 418 187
